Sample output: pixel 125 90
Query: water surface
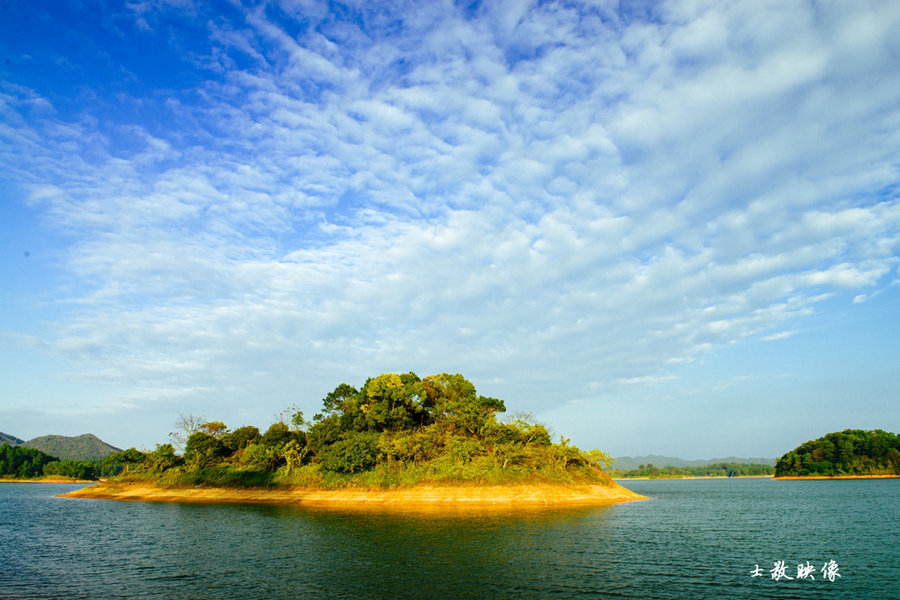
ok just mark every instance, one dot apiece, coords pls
pixel 697 539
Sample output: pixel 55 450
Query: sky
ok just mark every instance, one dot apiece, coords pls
pixel 659 227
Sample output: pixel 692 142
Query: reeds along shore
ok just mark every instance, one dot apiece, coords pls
pixel 419 497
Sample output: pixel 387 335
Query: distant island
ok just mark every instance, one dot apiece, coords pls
pixel 400 438
pixel 721 469
pixel 848 453
pixel 627 463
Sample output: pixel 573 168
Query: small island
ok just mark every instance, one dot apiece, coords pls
pixel 399 441
pixel 848 454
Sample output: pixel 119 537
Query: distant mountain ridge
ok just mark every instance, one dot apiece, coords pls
pixel 83 447
pixel 10 439
pixel 627 463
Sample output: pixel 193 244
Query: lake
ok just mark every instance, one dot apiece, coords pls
pixel 698 539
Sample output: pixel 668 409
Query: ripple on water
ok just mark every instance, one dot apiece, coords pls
pixel 695 539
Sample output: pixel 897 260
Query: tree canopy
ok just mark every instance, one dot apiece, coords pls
pixel 848 452
pixel 397 429
pixel 20 462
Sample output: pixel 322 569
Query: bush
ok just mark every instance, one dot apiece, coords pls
pixel 76 469
pixel 277 435
pixel 241 437
pixel 163 458
pixel 353 453
pixel 203 449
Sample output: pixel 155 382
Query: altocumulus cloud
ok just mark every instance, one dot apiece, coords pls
pixel 559 200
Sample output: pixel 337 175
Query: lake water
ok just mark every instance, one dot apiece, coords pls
pixel 697 539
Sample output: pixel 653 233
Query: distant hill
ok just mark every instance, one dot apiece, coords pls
pixel 10 439
pixel 82 447
pixel 628 463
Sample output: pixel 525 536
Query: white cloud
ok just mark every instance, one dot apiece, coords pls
pixel 781 335
pixel 560 206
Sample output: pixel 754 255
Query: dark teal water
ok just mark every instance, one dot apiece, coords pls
pixel 696 539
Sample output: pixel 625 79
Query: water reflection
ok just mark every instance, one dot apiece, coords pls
pixel 692 539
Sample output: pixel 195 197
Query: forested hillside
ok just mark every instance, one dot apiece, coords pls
pixel 10 439
pixel 21 462
pixel 848 452
pixel 398 429
pixel 713 470
pixel 82 447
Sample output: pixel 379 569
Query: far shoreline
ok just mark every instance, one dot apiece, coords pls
pixel 691 477
pixel 417 498
pixel 831 477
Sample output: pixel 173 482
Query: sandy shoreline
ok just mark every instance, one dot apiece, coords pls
pixel 416 498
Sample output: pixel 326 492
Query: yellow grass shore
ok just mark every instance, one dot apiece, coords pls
pixel 414 498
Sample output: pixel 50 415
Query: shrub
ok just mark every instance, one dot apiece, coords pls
pixel 353 453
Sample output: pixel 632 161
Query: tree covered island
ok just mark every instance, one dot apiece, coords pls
pixel 721 469
pixel 852 452
pixel 398 431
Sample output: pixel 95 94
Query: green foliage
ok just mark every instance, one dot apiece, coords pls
pixel 398 429
pixel 202 449
pixel 258 456
pixel 163 458
pixel 76 469
pixel 712 470
pixel 241 437
pixel 355 452
pixel 19 462
pixel 278 435
pixel 124 461
pixel 223 476
pixel 82 447
pixel 848 452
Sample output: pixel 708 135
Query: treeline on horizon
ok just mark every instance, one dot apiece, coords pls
pixel 711 470
pixel 21 462
pixel 848 452
pixel 398 429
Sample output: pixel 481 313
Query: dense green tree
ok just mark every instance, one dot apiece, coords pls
pixel 324 431
pixel 388 402
pixel 354 452
pixel 76 469
pixel 277 435
pixel 21 462
pixel 453 403
pixel 121 462
pixel 848 452
pixel 203 449
pixel 241 437
pixel 163 458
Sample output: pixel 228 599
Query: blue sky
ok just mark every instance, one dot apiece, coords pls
pixel 661 227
